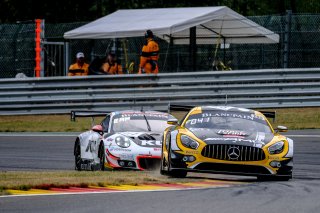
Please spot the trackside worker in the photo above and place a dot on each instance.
(149, 55)
(80, 67)
(111, 66)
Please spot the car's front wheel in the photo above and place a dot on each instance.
(163, 163)
(178, 173)
(174, 173)
(273, 178)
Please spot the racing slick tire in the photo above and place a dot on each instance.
(273, 178)
(77, 156)
(174, 173)
(162, 162)
(162, 171)
(177, 173)
(102, 157)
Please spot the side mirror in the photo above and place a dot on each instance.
(172, 121)
(97, 128)
(281, 129)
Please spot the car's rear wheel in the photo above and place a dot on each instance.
(77, 156)
(102, 157)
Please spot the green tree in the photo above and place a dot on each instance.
(88, 10)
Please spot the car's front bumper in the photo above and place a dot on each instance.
(249, 168)
(137, 160)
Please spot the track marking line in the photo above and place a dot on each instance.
(131, 187)
(29, 192)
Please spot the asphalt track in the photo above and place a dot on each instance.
(302, 194)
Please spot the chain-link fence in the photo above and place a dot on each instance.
(299, 47)
(17, 49)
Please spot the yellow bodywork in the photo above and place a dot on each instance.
(201, 159)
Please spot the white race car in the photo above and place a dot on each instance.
(123, 140)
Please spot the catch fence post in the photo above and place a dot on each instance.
(39, 54)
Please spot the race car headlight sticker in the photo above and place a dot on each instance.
(123, 142)
(188, 142)
(276, 148)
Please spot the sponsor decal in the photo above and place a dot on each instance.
(258, 144)
(150, 143)
(118, 149)
(154, 115)
(192, 152)
(234, 115)
(231, 132)
(235, 140)
(110, 139)
(207, 116)
(91, 146)
(126, 157)
(274, 158)
(157, 149)
(232, 136)
(198, 121)
(131, 134)
(86, 166)
(120, 120)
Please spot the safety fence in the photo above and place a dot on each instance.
(268, 88)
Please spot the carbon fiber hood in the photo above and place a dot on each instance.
(222, 136)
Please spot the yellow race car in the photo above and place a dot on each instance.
(226, 140)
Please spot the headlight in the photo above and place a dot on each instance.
(276, 148)
(188, 142)
(123, 142)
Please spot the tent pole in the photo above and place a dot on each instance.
(286, 51)
(193, 48)
(224, 50)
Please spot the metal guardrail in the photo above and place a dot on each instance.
(251, 88)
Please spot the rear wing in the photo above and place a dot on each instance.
(187, 108)
(180, 108)
(92, 114)
(269, 114)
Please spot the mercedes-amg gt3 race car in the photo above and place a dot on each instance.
(226, 140)
(123, 140)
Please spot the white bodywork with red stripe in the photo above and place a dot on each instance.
(145, 146)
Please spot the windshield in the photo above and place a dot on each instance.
(140, 122)
(213, 119)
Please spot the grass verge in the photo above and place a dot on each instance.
(44, 123)
(293, 118)
(25, 180)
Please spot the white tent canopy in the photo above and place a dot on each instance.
(212, 24)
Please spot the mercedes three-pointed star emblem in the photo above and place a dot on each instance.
(233, 153)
